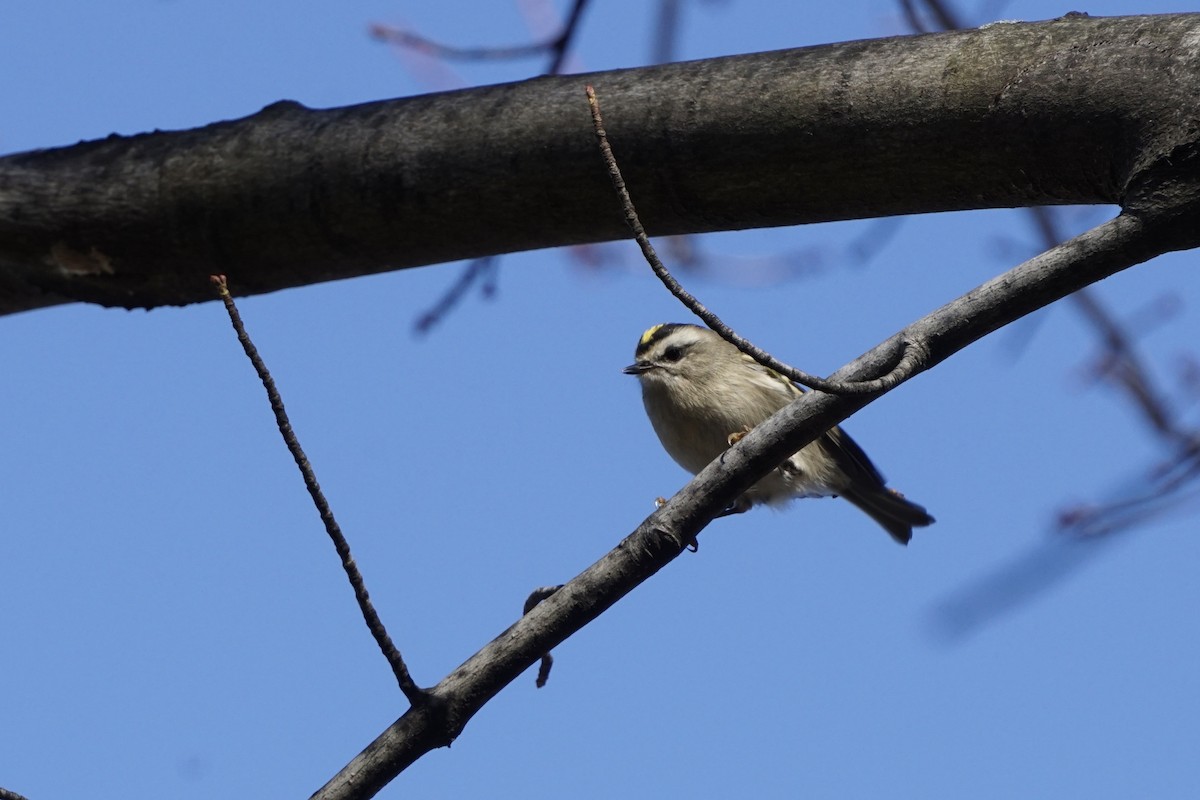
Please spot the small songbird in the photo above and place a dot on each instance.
(702, 394)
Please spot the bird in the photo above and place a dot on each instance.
(702, 394)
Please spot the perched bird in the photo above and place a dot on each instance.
(702, 394)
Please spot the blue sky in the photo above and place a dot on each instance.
(175, 622)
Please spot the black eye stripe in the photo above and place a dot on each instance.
(655, 335)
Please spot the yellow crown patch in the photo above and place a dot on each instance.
(649, 334)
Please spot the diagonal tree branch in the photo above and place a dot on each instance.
(1119, 243)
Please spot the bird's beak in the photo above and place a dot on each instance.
(638, 367)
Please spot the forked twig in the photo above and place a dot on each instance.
(414, 693)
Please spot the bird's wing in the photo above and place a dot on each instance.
(851, 458)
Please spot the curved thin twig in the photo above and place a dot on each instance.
(910, 360)
(557, 45)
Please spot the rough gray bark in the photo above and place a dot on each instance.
(1076, 110)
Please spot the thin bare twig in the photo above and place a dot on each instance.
(557, 45)
(563, 43)
(912, 16)
(480, 270)
(415, 694)
(944, 16)
(1124, 367)
(415, 41)
(909, 360)
(666, 31)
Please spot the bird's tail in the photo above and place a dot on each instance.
(888, 507)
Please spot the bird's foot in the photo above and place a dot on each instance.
(737, 436)
(739, 506)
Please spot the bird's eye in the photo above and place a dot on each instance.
(673, 353)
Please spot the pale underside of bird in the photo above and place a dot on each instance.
(702, 394)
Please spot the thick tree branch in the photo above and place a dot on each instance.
(1080, 110)
(1126, 240)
